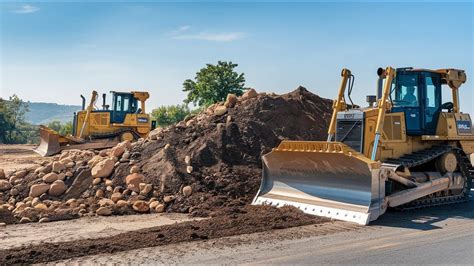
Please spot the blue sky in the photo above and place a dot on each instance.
(52, 52)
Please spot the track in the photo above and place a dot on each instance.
(425, 156)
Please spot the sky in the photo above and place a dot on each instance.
(55, 51)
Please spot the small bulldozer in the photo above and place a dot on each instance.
(405, 150)
(95, 128)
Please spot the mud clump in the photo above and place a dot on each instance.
(229, 222)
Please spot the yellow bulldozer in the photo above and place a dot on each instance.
(406, 150)
(95, 128)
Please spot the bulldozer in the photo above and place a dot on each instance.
(405, 150)
(95, 128)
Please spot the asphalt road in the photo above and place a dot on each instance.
(438, 235)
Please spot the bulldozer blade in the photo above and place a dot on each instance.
(49, 143)
(322, 178)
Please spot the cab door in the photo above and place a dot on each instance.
(432, 102)
(121, 106)
(406, 97)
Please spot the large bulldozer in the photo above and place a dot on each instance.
(95, 128)
(406, 150)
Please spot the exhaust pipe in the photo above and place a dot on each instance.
(83, 102)
(381, 73)
(104, 106)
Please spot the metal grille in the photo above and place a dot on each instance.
(349, 132)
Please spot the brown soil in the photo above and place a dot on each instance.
(226, 150)
(227, 222)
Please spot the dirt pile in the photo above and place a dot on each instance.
(198, 166)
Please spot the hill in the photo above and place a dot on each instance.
(43, 113)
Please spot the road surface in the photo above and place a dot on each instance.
(439, 235)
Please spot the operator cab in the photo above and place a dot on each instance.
(123, 104)
(417, 93)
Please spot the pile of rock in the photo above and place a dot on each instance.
(206, 162)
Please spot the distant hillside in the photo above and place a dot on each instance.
(43, 113)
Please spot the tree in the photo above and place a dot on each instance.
(16, 128)
(213, 83)
(167, 115)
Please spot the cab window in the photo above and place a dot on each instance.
(405, 91)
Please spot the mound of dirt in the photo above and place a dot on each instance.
(225, 151)
(229, 222)
(198, 166)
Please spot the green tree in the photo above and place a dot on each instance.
(167, 115)
(213, 83)
(16, 129)
(55, 125)
(62, 129)
(5, 124)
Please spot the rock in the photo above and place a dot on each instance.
(103, 168)
(14, 192)
(81, 182)
(167, 146)
(140, 206)
(109, 188)
(134, 169)
(118, 189)
(61, 176)
(187, 160)
(43, 220)
(187, 191)
(117, 151)
(231, 100)
(125, 155)
(104, 211)
(46, 169)
(57, 188)
(121, 203)
(70, 165)
(50, 178)
(69, 174)
(25, 220)
(106, 202)
(189, 169)
(35, 201)
(21, 174)
(58, 167)
(108, 182)
(2, 174)
(99, 193)
(4, 185)
(38, 189)
(249, 94)
(96, 181)
(3, 225)
(220, 110)
(168, 199)
(133, 181)
(146, 189)
(41, 206)
(116, 197)
(160, 208)
(153, 204)
(103, 153)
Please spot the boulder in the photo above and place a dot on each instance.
(41, 206)
(43, 220)
(133, 181)
(153, 204)
(4, 185)
(103, 168)
(140, 206)
(2, 174)
(168, 199)
(57, 188)
(116, 197)
(50, 178)
(96, 181)
(231, 100)
(249, 94)
(20, 174)
(81, 182)
(117, 151)
(106, 202)
(121, 203)
(99, 193)
(220, 110)
(104, 211)
(134, 169)
(38, 189)
(25, 220)
(58, 167)
(160, 208)
(187, 191)
(147, 188)
(108, 182)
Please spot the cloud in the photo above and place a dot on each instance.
(184, 28)
(215, 37)
(26, 9)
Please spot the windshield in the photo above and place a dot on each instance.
(405, 91)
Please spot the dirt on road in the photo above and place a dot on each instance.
(227, 222)
(16, 157)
